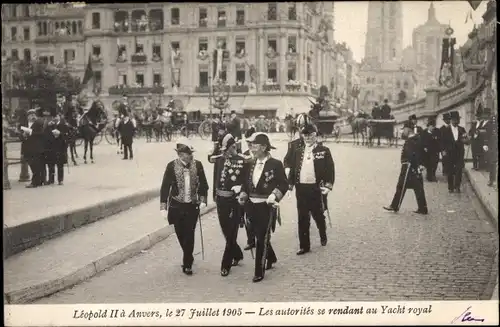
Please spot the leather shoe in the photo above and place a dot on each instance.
(187, 271)
(249, 246)
(422, 212)
(302, 251)
(269, 264)
(389, 208)
(31, 186)
(257, 279)
(235, 262)
(224, 272)
(323, 242)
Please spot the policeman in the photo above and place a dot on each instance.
(414, 124)
(410, 176)
(431, 141)
(442, 131)
(230, 174)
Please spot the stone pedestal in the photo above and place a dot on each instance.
(431, 99)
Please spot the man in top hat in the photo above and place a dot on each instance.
(414, 124)
(410, 176)
(57, 136)
(385, 110)
(126, 128)
(123, 108)
(183, 193)
(477, 140)
(265, 186)
(230, 174)
(482, 133)
(234, 127)
(442, 131)
(453, 141)
(491, 149)
(431, 141)
(33, 146)
(376, 112)
(313, 175)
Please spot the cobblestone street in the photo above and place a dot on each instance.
(371, 254)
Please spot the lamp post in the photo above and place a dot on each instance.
(355, 94)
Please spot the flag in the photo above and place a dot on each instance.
(474, 3)
(88, 77)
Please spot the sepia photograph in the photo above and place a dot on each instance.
(263, 162)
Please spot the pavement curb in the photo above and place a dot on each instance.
(25, 236)
(29, 294)
(485, 203)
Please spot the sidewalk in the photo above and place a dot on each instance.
(90, 192)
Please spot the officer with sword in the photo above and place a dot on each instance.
(410, 176)
(312, 172)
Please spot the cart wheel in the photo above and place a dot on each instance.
(98, 138)
(204, 130)
(110, 138)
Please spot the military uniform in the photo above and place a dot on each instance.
(410, 177)
(431, 140)
(312, 167)
(229, 176)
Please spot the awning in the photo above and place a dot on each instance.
(236, 103)
(300, 104)
(262, 102)
(198, 103)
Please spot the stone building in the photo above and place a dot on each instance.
(276, 54)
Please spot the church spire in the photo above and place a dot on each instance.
(431, 13)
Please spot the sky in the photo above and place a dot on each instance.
(351, 21)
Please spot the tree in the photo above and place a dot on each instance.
(40, 83)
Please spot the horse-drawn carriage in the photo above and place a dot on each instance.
(382, 128)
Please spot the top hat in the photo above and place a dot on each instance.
(309, 129)
(446, 116)
(182, 148)
(227, 141)
(262, 139)
(233, 111)
(431, 121)
(454, 115)
(249, 132)
(412, 117)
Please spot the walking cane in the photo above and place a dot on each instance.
(246, 223)
(267, 238)
(404, 184)
(201, 235)
(324, 208)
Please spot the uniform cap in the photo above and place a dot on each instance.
(183, 148)
(227, 141)
(262, 139)
(309, 129)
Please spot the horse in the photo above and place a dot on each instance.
(359, 126)
(91, 124)
(71, 119)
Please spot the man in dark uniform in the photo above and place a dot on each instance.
(376, 112)
(234, 127)
(301, 121)
(442, 131)
(126, 129)
(410, 176)
(183, 193)
(414, 124)
(454, 139)
(265, 186)
(431, 141)
(58, 143)
(385, 111)
(476, 141)
(32, 147)
(230, 174)
(248, 156)
(491, 149)
(313, 175)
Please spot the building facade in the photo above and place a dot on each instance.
(277, 54)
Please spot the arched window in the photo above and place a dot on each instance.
(121, 21)
(39, 28)
(139, 20)
(156, 19)
(44, 28)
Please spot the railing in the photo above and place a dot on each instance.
(293, 87)
(202, 89)
(240, 88)
(314, 91)
(118, 90)
(447, 96)
(139, 58)
(271, 87)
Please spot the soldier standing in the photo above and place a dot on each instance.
(410, 176)
(431, 140)
(230, 174)
(183, 193)
(265, 186)
(442, 131)
(491, 149)
(313, 175)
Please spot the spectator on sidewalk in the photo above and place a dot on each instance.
(58, 144)
(127, 129)
(491, 149)
(32, 147)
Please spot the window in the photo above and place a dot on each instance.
(69, 56)
(272, 45)
(139, 79)
(44, 60)
(203, 17)
(74, 29)
(27, 55)
(202, 44)
(80, 27)
(292, 44)
(240, 76)
(26, 10)
(221, 18)
(292, 12)
(203, 76)
(272, 11)
(122, 51)
(157, 79)
(14, 54)
(175, 45)
(240, 46)
(175, 16)
(240, 17)
(398, 84)
(292, 71)
(272, 73)
(156, 51)
(368, 80)
(223, 73)
(13, 33)
(96, 20)
(139, 48)
(221, 42)
(26, 32)
(123, 79)
(309, 20)
(39, 29)
(51, 60)
(96, 50)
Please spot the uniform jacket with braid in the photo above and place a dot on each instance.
(228, 172)
(272, 180)
(292, 148)
(324, 166)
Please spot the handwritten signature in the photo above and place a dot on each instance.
(467, 316)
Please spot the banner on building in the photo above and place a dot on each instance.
(447, 62)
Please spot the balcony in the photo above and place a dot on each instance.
(239, 88)
(271, 88)
(202, 89)
(202, 55)
(121, 27)
(156, 58)
(226, 55)
(96, 59)
(291, 55)
(121, 59)
(120, 89)
(314, 91)
(140, 59)
(240, 54)
(293, 86)
(271, 53)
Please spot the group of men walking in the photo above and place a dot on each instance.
(247, 190)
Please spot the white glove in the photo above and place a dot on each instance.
(287, 171)
(485, 147)
(324, 190)
(271, 199)
(203, 205)
(236, 189)
(164, 214)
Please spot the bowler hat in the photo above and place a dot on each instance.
(412, 117)
(182, 148)
(262, 139)
(249, 132)
(31, 112)
(227, 141)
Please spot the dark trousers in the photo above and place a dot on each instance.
(127, 147)
(431, 165)
(37, 166)
(52, 172)
(455, 167)
(402, 186)
(249, 228)
(228, 211)
(186, 217)
(260, 215)
(309, 201)
(476, 156)
(492, 161)
(444, 165)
